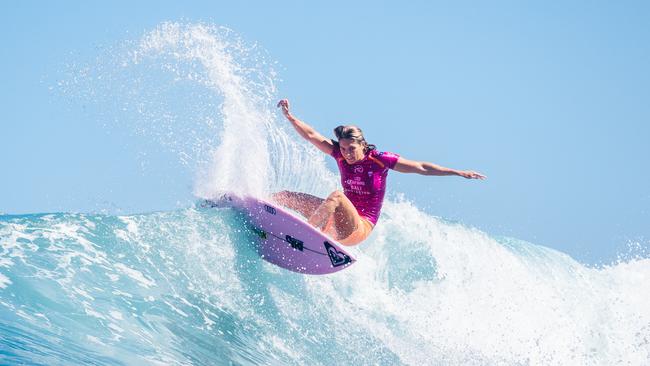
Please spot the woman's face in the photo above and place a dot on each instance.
(351, 150)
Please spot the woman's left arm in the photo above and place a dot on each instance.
(424, 168)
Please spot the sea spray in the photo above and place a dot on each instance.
(256, 153)
(204, 95)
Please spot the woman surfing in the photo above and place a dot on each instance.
(349, 216)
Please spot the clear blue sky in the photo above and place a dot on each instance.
(549, 99)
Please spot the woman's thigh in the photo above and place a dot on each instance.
(346, 216)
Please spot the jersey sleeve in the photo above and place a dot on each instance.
(388, 158)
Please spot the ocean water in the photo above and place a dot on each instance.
(186, 287)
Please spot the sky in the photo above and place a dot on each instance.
(548, 99)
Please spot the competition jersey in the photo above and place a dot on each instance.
(364, 182)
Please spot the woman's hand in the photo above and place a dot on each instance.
(471, 174)
(306, 131)
(284, 104)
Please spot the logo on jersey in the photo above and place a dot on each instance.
(358, 169)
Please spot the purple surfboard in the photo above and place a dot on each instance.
(287, 240)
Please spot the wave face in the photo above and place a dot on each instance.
(186, 287)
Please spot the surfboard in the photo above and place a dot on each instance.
(285, 239)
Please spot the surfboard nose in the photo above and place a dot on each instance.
(223, 200)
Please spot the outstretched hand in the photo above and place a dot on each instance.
(471, 174)
(284, 104)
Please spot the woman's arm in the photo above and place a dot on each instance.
(424, 168)
(306, 131)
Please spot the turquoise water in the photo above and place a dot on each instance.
(185, 287)
(170, 288)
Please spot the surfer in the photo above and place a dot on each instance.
(350, 215)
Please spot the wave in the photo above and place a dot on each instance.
(187, 287)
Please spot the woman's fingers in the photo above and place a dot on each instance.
(473, 175)
(284, 104)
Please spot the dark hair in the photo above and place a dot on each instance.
(353, 133)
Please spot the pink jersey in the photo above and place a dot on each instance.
(364, 183)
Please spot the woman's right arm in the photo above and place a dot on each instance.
(306, 131)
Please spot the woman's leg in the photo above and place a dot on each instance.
(345, 214)
(304, 203)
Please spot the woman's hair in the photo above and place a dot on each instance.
(353, 133)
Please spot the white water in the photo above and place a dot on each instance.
(256, 154)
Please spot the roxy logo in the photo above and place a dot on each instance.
(358, 169)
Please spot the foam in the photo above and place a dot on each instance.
(135, 275)
(4, 281)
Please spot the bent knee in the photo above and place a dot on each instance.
(336, 196)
